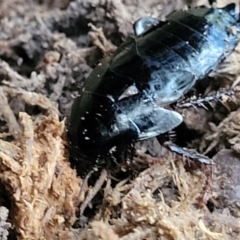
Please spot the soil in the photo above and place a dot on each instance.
(47, 50)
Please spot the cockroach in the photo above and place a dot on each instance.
(126, 99)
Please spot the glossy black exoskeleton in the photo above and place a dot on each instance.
(124, 100)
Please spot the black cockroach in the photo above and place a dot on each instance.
(125, 99)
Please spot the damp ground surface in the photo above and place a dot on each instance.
(47, 50)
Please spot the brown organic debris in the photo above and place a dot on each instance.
(47, 50)
(42, 185)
